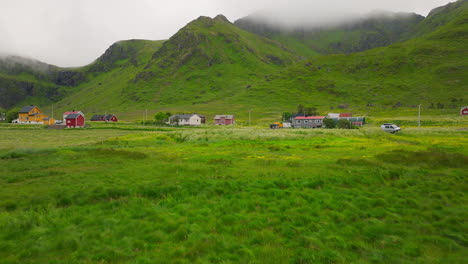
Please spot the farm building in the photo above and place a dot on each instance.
(464, 110)
(71, 112)
(187, 120)
(74, 120)
(31, 114)
(308, 121)
(355, 121)
(338, 115)
(105, 118)
(224, 120)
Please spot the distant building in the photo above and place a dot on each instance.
(71, 112)
(31, 114)
(308, 121)
(224, 120)
(187, 120)
(355, 121)
(464, 110)
(105, 118)
(337, 115)
(74, 120)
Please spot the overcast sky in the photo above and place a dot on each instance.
(76, 32)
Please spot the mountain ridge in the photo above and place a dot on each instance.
(211, 64)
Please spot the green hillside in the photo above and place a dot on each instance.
(377, 30)
(212, 66)
(207, 61)
(429, 70)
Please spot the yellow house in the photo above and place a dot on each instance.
(31, 114)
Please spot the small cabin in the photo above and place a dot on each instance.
(74, 120)
(71, 112)
(187, 120)
(224, 120)
(464, 111)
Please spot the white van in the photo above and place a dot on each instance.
(391, 128)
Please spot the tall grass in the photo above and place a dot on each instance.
(237, 195)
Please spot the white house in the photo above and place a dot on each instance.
(187, 120)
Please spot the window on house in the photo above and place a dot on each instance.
(306, 122)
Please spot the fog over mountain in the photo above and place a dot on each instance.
(76, 32)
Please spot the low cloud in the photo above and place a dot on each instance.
(76, 32)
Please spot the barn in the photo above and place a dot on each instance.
(71, 112)
(74, 120)
(464, 111)
(224, 120)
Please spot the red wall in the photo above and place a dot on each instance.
(223, 121)
(77, 122)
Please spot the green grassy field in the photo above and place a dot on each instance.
(135, 194)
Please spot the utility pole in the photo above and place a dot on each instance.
(419, 117)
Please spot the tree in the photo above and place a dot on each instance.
(343, 123)
(286, 116)
(12, 114)
(161, 117)
(310, 111)
(329, 123)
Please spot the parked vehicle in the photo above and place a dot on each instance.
(276, 125)
(391, 128)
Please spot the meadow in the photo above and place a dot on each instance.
(134, 194)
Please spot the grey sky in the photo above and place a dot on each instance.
(76, 32)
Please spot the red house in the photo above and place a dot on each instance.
(71, 112)
(224, 119)
(464, 110)
(74, 120)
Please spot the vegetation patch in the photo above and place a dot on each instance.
(431, 159)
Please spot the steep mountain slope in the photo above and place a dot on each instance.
(439, 17)
(430, 70)
(208, 60)
(378, 30)
(28, 81)
(22, 78)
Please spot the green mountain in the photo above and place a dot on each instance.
(207, 61)
(37, 82)
(429, 70)
(378, 30)
(213, 66)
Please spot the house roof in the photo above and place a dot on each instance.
(26, 109)
(224, 116)
(184, 116)
(308, 117)
(99, 117)
(72, 116)
(71, 112)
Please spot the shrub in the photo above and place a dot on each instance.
(343, 123)
(329, 123)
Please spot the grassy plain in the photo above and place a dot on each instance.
(133, 194)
